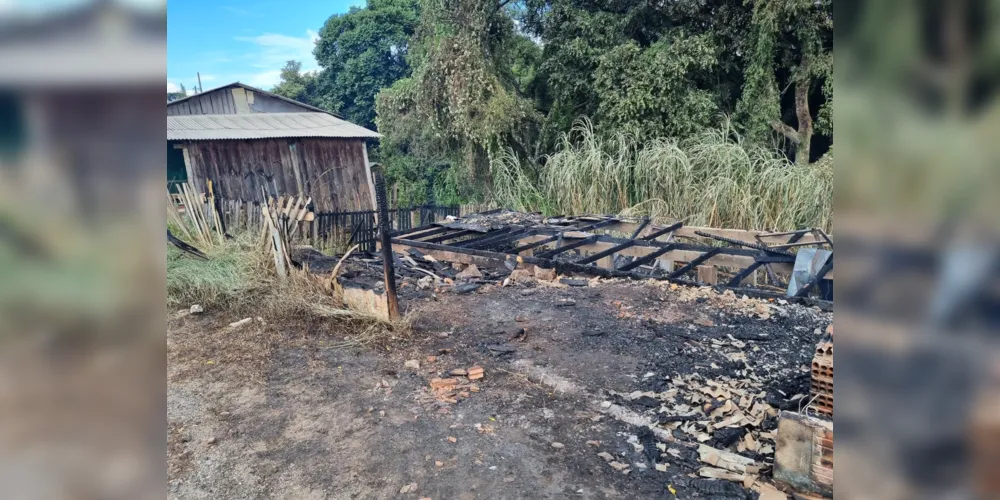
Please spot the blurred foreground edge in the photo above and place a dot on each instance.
(82, 364)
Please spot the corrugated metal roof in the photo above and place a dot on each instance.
(255, 89)
(262, 126)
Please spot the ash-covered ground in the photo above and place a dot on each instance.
(569, 371)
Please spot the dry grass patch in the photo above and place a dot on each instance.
(239, 281)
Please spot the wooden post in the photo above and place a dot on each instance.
(386, 243)
(368, 173)
(276, 244)
(708, 274)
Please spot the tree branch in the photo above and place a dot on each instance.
(501, 5)
(785, 130)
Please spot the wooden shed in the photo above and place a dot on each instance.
(245, 139)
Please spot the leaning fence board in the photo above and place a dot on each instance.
(174, 214)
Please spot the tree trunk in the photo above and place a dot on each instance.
(803, 136)
(805, 131)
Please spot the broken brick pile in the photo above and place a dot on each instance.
(821, 387)
(452, 389)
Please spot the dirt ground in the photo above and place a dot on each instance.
(297, 411)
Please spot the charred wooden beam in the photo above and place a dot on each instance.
(500, 258)
(488, 236)
(797, 234)
(529, 246)
(694, 263)
(451, 236)
(734, 257)
(501, 239)
(602, 254)
(742, 275)
(559, 234)
(411, 231)
(669, 229)
(796, 244)
(747, 244)
(648, 258)
(387, 257)
(596, 225)
(432, 231)
(452, 248)
(642, 225)
(552, 253)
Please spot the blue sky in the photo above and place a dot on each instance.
(245, 41)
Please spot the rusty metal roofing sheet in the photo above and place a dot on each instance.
(262, 126)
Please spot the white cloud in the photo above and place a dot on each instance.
(173, 87)
(275, 49)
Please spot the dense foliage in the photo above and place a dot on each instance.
(295, 84)
(362, 52)
(461, 104)
(458, 87)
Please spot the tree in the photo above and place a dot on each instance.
(462, 103)
(295, 84)
(654, 92)
(362, 52)
(481, 78)
(684, 62)
(795, 35)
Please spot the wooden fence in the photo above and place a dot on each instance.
(323, 230)
(339, 230)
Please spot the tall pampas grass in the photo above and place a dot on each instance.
(713, 179)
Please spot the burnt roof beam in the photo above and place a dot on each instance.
(499, 239)
(669, 229)
(552, 253)
(560, 234)
(694, 263)
(600, 255)
(646, 259)
(450, 236)
(492, 235)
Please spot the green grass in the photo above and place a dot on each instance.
(711, 179)
(235, 274)
(239, 279)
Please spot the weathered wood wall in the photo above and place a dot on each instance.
(332, 171)
(232, 101)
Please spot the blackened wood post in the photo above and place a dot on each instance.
(387, 264)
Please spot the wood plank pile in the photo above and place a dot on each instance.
(207, 221)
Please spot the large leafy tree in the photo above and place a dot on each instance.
(451, 84)
(658, 68)
(297, 85)
(362, 52)
(654, 92)
(463, 102)
(792, 48)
